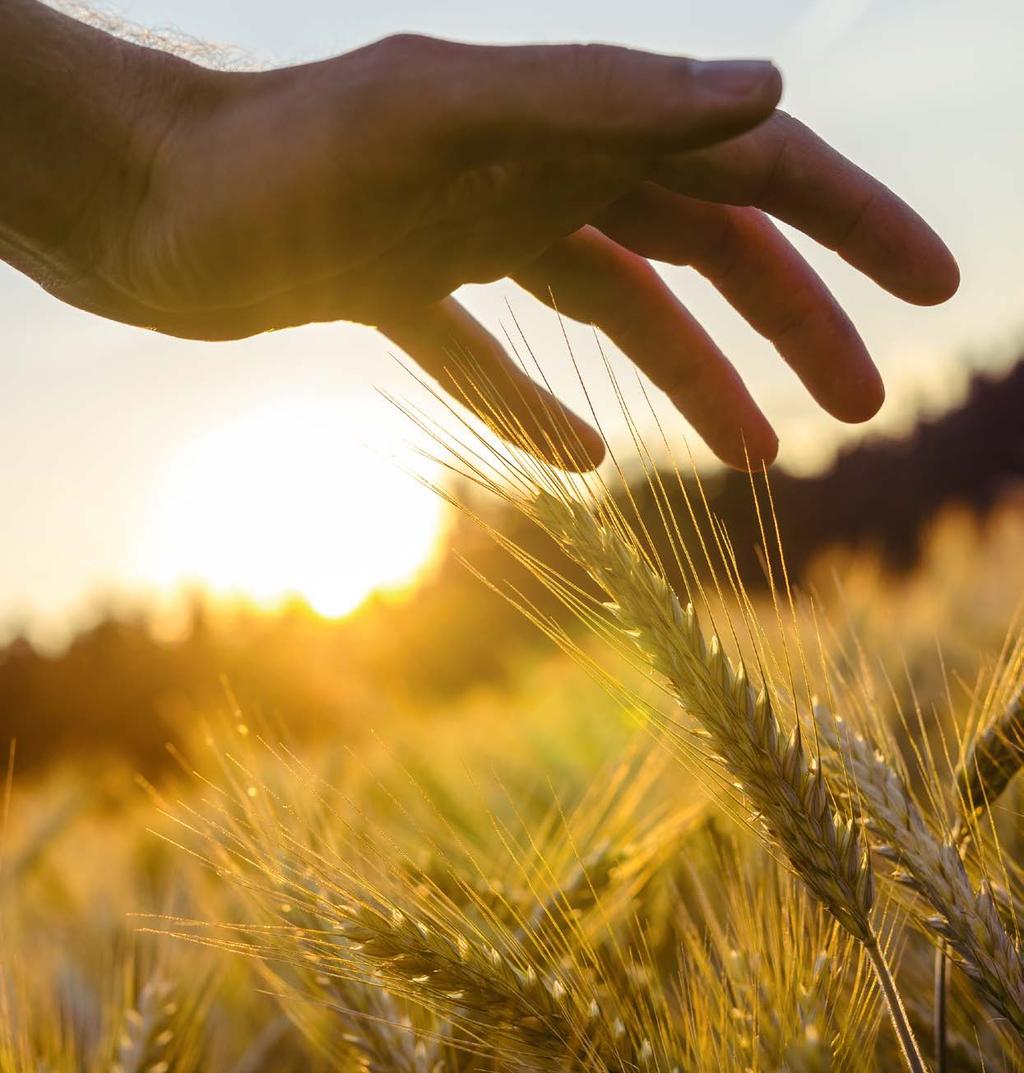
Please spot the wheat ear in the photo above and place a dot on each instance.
(483, 989)
(994, 757)
(378, 1029)
(371, 1024)
(149, 1030)
(965, 918)
(543, 929)
(788, 790)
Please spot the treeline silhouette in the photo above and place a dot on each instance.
(119, 689)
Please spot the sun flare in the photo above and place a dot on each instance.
(291, 501)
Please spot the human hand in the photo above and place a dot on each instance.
(370, 186)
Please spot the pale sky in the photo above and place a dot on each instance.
(105, 486)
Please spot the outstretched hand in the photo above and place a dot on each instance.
(369, 187)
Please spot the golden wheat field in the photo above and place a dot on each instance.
(513, 541)
(704, 828)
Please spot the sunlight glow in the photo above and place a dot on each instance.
(291, 501)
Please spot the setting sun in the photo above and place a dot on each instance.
(290, 501)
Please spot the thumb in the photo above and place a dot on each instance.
(493, 102)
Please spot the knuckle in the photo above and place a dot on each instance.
(849, 229)
(721, 256)
(398, 47)
(790, 323)
(772, 170)
(395, 80)
(411, 53)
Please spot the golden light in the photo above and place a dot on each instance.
(291, 500)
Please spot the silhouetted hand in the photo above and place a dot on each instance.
(370, 186)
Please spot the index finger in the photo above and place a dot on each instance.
(784, 168)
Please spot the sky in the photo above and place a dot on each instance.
(129, 459)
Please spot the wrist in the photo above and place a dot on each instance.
(82, 115)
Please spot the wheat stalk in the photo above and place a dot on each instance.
(964, 918)
(788, 791)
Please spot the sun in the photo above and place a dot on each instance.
(292, 500)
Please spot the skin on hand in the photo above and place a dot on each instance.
(370, 186)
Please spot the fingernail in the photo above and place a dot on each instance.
(737, 78)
